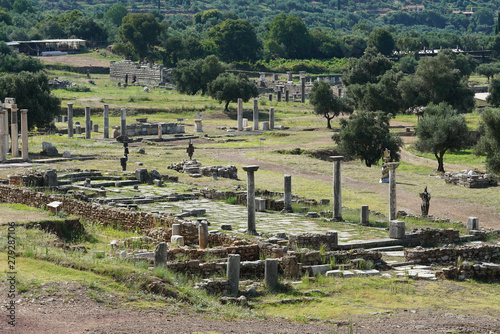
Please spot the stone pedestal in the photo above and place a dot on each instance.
(3, 148)
(87, 123)
(240, 114)
(472, 223)
(198, 126)
(271, 118)
(288, 193)
(176, 229)
(271, 274)
(396, 229)
(78, 129)
(203, 234)
(365, 215)
(177, 240)
(337, 188)
(260, 204)
(123, 122)
(244, 123)
(95, 127)
(256, 114)
(265, 126)
(289, 76)
(392, 189)
(14, 130)
(105, 127)
(251, 197)
(70, 120)
(233, 272)
(161, 254)
(24, 134)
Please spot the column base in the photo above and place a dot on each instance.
(337, 219)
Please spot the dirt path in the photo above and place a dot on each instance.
(71, 310)
(75, 60)
(454, 209)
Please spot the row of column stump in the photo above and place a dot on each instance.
(10, 104)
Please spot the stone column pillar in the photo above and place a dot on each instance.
(251, 197)
(233, 272)
(88, 126)
(287, 95)
(14, 130)
(303, 86)
(70, 120)
(198, 127)
(337, 188)
(288, 193)
(271, 274)
(6, 131)
(176, 229)
(160, 130)
(3, 149)
(161, 254)
(240, 114)
(392, 189)
(24, 134)
(203, 234)
(123, 124)
(365, 215)
(289, 75)
(106, 121)
(279, 96)
(270, 97)
(256, 114)
(271, 118)
(396, 229)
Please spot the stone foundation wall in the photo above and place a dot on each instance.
(127, 71)
(150, 129)
(483, 253)
(247, 252)
(315, 258)
(483, 271)
(314, 241)
(128, 220)
(470, 179)
(431, 237)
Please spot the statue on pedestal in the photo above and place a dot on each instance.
(190, 150)
(426, 199)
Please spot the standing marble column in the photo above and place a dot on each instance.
(251, 197)
(279, 95)
(287, 95)
(24, 134)
(123, 124)
(3, 148)
(88, 126)
(256, 114)
(365, 215)
(14, 130)
(271, 274)
(233, 272)
(271, 118)
(6, 130)
(106, 121)
(70, 120)
(288, 193)
(337, 188)
(392, 189)
(203, 234)
(240, 114)
(303, 86)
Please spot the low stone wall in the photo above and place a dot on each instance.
(431, 237)
(197, 268)
(128, 220)
(483, 271)
(470, 179)
(486, 253)
(315, 258)
(247, 252)
(150, 129)
(127, 71)
(314, 241)
(215, 287)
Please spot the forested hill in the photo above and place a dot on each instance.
(453, 15)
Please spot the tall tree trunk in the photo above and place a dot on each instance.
(440, 161)
(227, 106)
(328, 119)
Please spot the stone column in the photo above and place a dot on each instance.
(88, 126)
(24, 134)
(176, 229)
(198, 127)
(396, 229)
(3, 149)
(123, 124)
(161, 254)
(6, 131)
(270, 97)
(271, 118)
(203, 234)
(106, 121)
(14, 130)
(240, 114)
(365, 215)
(287, 95)
(160, 130)
(251, 197)
(337, 189)
(70, 120)
(392, 189)
(289, 75)
(233, 272)
(288, 193)
(278, 98)
(255, 114)
(303, 86)
(271, 274)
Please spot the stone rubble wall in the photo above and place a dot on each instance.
(445, 255)
(482, 271)
(150, 129)
(312, 258)
(314, 241)
(431, 237)
(470, 179)
(127, 220)
(246, 252)
(146, 74)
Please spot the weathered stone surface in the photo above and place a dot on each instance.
(161, 254)
(177, 240)
(141, 174)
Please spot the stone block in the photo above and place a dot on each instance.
(473, 223)
(177, 240)
(161, 254)
(368, 272)
(320, 269)
(226, 227)
(260, 204)
(396, 229)
(141, 174)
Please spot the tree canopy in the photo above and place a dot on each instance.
(382, 40)
(441, 129)
(365, 136)
(494, 90)
(193, 76)
(228, 87)
(141, 31)
(489, 142)
(325, 104)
